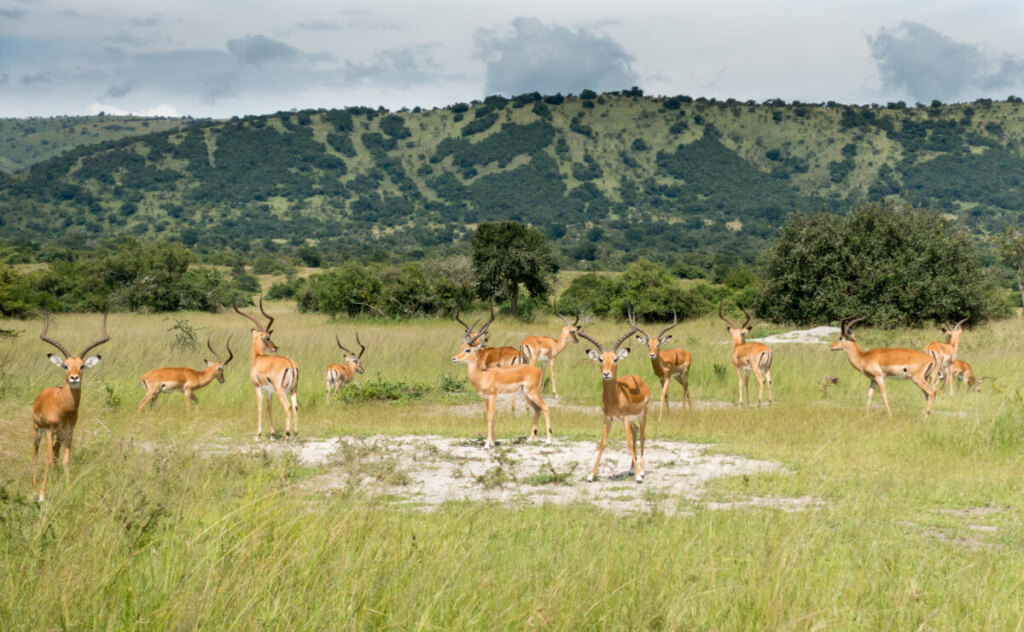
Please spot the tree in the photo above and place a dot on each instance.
(908, 264)
(1010, 244)
(507, 255)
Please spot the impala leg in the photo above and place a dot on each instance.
(739, 378)
(949, 381)
(600, 448)
(871, 393)
(929, 394)
(746, 386)
(532, 434)
(760, 383)
(46, 466)
(631, 432)
(149, 398)
(259, 414)
(643, 444)
(684, 379)
(35, 456)
(283, 398)
(881, 391)
(491, 401)
(539, 406)
(551, 371)
(195, 400)
(67, 456)
(188, 399)
(768, 379)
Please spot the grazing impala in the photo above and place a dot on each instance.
(492, 357)
(668, 363)
(184, 379)
(489, 383)
(962, 371)
(271, 374)
(878, 364)
(623, 397)
(337, 375)
(749, 357)
(55, 410)
(546, 349)
(946, 353)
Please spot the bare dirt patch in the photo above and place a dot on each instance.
(816, 335)
(425, 471)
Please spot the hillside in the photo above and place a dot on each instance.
(24, 142)
(607, 177)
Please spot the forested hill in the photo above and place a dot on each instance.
(604, 176)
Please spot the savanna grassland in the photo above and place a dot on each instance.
(919, 522)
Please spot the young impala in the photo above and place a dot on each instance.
(623, 397)
(546, 349)
(489, 383)
(963, 372)
(668, 363)
(946, 354)
(878, 364)
(55, 411)
(338, 375)
(271, 374)
(184, 379)
(749, 357)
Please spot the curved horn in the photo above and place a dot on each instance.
(270, 319)
(597, 344)
(213, 351)
(675, 320)
(230, 353)
(105, 338)
(850, 324)
(727, 321)
(960, 324)
(459, 320)
(42, 336)
(564, 319)
(340, 345)
(747, 314)
(252, 318)
(632, 322)
(362, 347)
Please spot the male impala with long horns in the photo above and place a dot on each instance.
(55, 410)
(667, 363)
(878, 364)
(749, 357)
(946, 354)
(623, 397)
(338, 375)
(271, 374)
(184, 379)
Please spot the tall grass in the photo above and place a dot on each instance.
(919, 526)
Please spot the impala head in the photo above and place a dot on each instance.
(654, 343)
(574, 327)
(738, 333)
(220, 364)
(73, 365)
(260, 335)
(953, 333)
(845, 338)
(471, 341)
(609, 358)
(352, 358)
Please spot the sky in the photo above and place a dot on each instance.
(222, 58)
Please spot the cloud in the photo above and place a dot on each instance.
(928, 65)
(395, 68)
(12, 13)
(257, 50)
(551, 58)
(118, 91)
(318, 25)
(163, 109)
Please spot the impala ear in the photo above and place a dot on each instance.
(91, 361)
(641, 339)
(56, 360)
(666, 339)
(593, 355)
(622, 353)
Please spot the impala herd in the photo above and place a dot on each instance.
(495, 371)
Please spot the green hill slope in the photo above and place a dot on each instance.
(607, 177)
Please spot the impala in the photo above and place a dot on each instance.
(546, 349)
(623, 397)
(962, 371)
(271, 374)
(184, 379)
(56, 408)
(946, 353)
(878, 364)
(668, 363)
(749, 357)
(492, 357)
(337, 375)
(489, 383)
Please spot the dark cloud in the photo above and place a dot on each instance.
(152, 20)
(929, 65)
(119, 90)
(318, 25)
(552, 58)
(12, 13)
(257, 50)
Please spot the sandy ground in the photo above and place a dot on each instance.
(817, 335)
(425, 471)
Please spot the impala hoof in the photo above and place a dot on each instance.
(258, 435)
(639, 478)
(591, 478)
(548, 441)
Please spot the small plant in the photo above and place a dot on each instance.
(449, 384)
(185, 335)
(500, 474)
(548, 475)
(719, 370)
(112, 400)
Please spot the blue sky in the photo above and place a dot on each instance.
(218, 59)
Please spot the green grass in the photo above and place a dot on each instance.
(920, 522)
